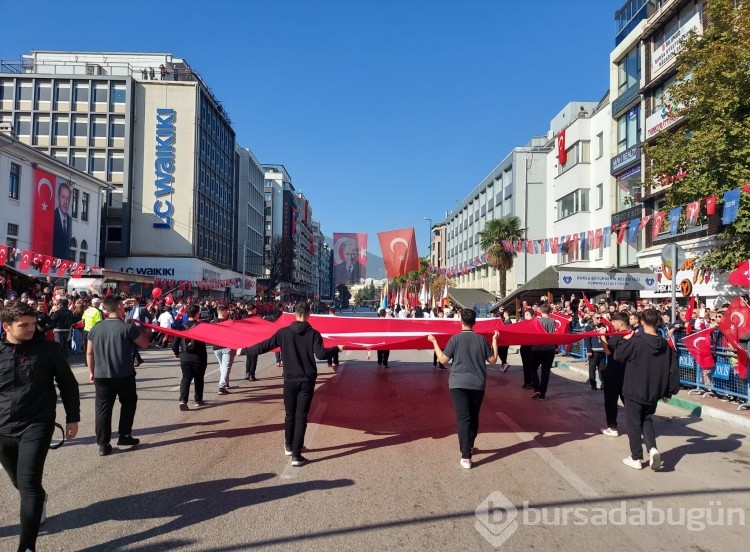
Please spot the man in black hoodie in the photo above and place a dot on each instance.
(651, 373)
(300, 344)
(29, 369)
(193, 361)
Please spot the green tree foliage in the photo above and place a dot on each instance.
(491, 238)
(713, 95)
(280, 261)
(367, 295)
(414, 275)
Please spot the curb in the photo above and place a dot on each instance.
(693, 409)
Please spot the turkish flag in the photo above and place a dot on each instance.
(644, 222)
(43, 214)
(587, 303)
(608, 324)
(658, 223)
(3, 254)
(78, 270)
(562, 155)
(699, 347)
(399, 249)
(736, 321)
(711, 205)
(46, 265)
(689, 315)
(740, 276)
(25, 261)
(597, 238)
(621, 233)
(561, 322)
(63, 268)
(691, 212)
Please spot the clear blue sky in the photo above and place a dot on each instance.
(384, 112)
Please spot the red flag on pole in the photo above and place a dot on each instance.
(699, 347)
(736, 321)
(399, 249)
(658, 223)
(562, 155)
(689, 315)
(587, 303)
(711, 205)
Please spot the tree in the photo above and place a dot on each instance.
(491, 240)
(712, 93)
(367, 294)
(280, 261)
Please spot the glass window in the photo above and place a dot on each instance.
(600, 145)
(116, 163)
(12, 229)
(117, 127)
(74, 195)
(14, 182)
(599, 196)
(100, 93)
(82, 257)
(118, 94)
(98, 127)
(41, 125)
(43, 92)
(62, 92)
(628, 129)
(78, 159)
(61, 126)
(85, 206)
(24, 91)
(6, 91)
(97, 161)
(23, 126)
(81, 92)
(80, 126)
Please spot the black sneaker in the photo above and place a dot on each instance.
(253, 378)
(536, 395)
(247, 376)
(200, 403)
(298, 461)
(184, 406)
(105, 450)
(223, 391)
(128, 440)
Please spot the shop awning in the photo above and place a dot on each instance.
(471, 297)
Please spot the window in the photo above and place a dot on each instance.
(6, 91)
(116, 163)
(41, 125)
(43, 92)
(25, 92)
(98, 127)
(74, 202)
(100, 93)
(572, 203)
(628, 129)
(12, 229)
(118, 94)
(78, 159)
(23, 126)
(114, 233)
(580, 152)
(85, 207)
(661, 94)
(62, 92)
(82, 254)
(80, 126)
(600, 145)
(629, 70)
(14, 183)
(117, 127)
(81, 92)
(599, 196)
(61, 125)
(72, 252)
(97, 162)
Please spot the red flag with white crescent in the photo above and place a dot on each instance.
(3, 254)
(699, 347)
(399, 249)
(740, 276)
(658, 222)
(562, 155)
(736, 321)
(43, 211)
(25, 261)
(46, 264)
(63, 268)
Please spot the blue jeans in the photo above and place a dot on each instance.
(225, 358)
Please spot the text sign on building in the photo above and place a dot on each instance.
(622, 281)
(662, 119)
(164, 166)
(674, 43)
(625, 159)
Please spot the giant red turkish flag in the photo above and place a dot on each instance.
(699, 347)
(399, 250)
(43, 213)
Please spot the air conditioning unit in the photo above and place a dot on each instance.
(93, 69)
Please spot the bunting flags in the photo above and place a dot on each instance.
(691, 212)
(731, 206)
(711, 205)
(658, 223)
(633, 230)
(674, 220)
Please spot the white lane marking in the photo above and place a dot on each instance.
(290, 471)
(564, 471)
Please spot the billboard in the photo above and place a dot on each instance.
(349, 258)
(52, 221)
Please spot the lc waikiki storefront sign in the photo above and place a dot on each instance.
(164, 166)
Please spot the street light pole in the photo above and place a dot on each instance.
(429, 259)
(244, 266)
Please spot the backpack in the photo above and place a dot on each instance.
(188, 345)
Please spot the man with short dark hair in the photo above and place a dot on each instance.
(193, 361)
(543, 355)
(109, 357)
(62, 318)
(613, 372)
(300, 343)
(225, 355)
(29, 369)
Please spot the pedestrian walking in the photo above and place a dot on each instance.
(62, 318)
(651, 374)
(525, 352)
(470, 353)
(109, 357)
(225, 355)
(333, 360)
(503, 351)
(251, 361)
(542, 356)
(595, 348)
(300, 344)
(193, 361)
(613, 373)
(29, 369)
(383, 354)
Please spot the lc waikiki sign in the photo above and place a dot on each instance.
(164, 166)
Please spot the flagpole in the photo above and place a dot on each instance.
(674, 284)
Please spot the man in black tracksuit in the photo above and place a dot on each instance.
(300, 344)
(595, 349)
(193, 361)
(29, 369)
(613, 373)
(651, 373)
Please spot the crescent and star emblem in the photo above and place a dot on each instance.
(44, 183)
(394, 241)
(739, 316)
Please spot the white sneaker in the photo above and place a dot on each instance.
(287, 450)
(635, 464)
(655, 459)
(610, 432)
(466, 463)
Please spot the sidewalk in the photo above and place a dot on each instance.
(694, 405)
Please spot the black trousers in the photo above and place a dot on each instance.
(545, 360)
(467, 403)
(526, 363)
(62, 338)
(383, 357)
(107, 389)
(596, 362)
(192, 372)
(612, 391)
(251, 365)
(502, 352)
(22, 455)
(297, 400)
(640, 423)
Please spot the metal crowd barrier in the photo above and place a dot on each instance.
(721, 381)
(576, 350)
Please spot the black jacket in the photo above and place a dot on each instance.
(190, 350)
(28, 372)
(613, 369)
(300, 343)
(651, 371)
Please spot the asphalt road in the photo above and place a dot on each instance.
(384, 470)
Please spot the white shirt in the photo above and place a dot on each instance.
(166, 319)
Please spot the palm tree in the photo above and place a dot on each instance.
(491, 240)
